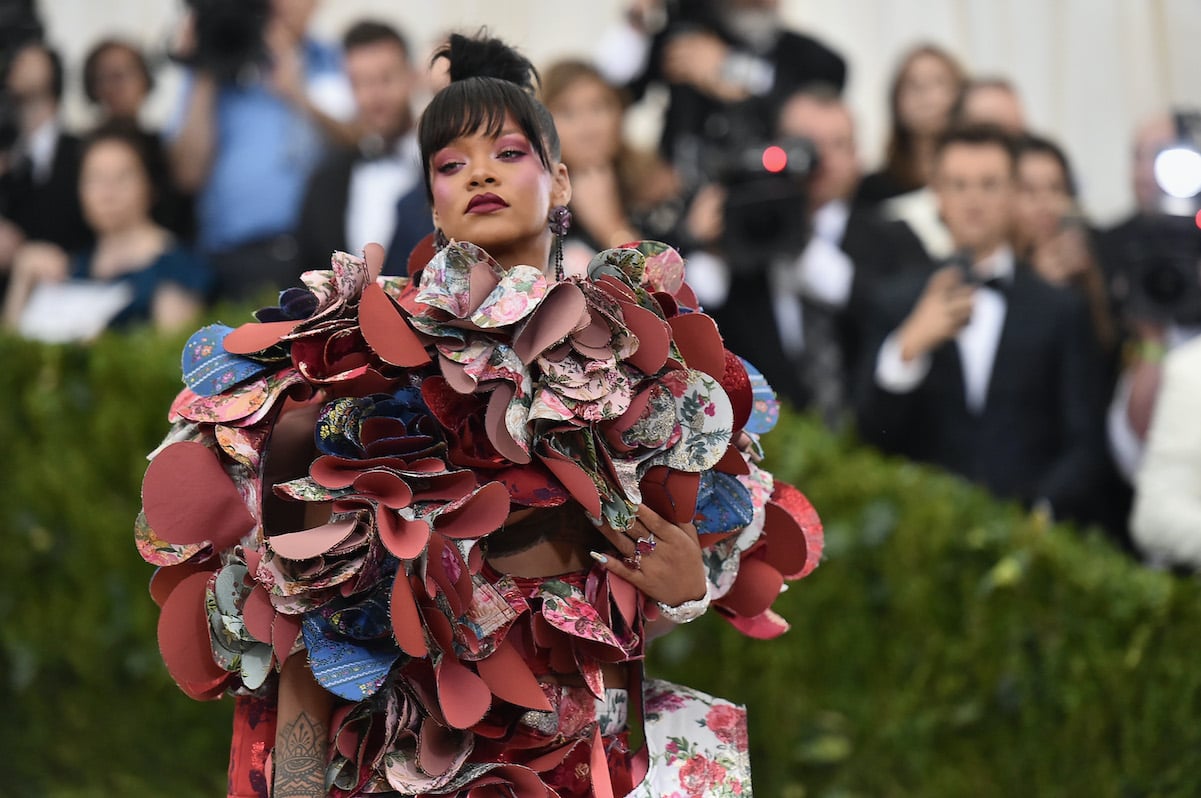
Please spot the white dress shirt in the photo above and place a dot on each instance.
(822, 273)
(40, 148)
(977, 341)
(375, 187)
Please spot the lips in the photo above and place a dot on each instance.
(485, 203)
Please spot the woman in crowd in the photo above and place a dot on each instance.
(620, 193)
(508, 475)
(136, 272)
(925, 88)
(117, 80)
(1052, 236)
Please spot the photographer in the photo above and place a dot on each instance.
(1151, 264)
(794, 243)
(262, 103)
(726, 65)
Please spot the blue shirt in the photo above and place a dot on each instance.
(177, 266)
(265, 151)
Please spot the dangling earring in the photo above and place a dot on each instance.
(440, 242)
(559, 222)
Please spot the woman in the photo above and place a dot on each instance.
(619, 192)
(1050, 234)
(506, 476)
(137, 272)
(924, 91)
(117, 80)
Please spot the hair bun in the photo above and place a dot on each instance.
(484, 57)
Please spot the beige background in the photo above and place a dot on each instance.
(1088, 69)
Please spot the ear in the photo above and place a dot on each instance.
(560, 189)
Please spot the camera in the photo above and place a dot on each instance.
(229, 37)
(767, 198)
(1163, 281)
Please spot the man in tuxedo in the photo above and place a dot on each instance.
(39, 192)
(808, 344)
(981, 367)
(372, 193)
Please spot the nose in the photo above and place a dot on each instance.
(482, 176)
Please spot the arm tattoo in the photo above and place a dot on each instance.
(300, 759)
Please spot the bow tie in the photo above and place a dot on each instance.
(998, 284)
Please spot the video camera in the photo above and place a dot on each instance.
(1164, 253)
(767, 198)
(229, 37)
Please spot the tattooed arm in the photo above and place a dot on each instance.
(302, 734)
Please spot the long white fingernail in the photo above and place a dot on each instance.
(600, 558)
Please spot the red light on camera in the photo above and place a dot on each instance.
(775, 159)
(1197, 219)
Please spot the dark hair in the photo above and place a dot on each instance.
(369, 31)
(142, 143)
(92, 63)
(1038, 145)
(825, 95)
(488, 82)
(900, 159)
(978, 136)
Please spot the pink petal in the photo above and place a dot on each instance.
(387, 332)
(509, 678)
(311, 542)
(406, 619)
(188, 498)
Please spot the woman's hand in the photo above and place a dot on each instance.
(1063, 257)
(35, 262)
(669, 570)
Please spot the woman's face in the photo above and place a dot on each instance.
(926, 93)
(113, 187)
(120, 85)
(1042, 198)
(495, 193)
(588, 117)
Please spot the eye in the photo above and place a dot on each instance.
(511, 153)
(448, 167)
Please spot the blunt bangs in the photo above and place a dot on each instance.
(480, 105)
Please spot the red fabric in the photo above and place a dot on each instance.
(253, 740)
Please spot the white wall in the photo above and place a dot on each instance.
(1088, 69)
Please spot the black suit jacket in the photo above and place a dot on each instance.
(878, 250)
(322, 226)
(49, 211)
(1039, 433)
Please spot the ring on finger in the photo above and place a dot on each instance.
(634, 561)
(645, 545)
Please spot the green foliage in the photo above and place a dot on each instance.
(951, 645)
(948, 645)
(89, 708)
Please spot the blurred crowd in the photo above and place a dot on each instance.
(954, 306)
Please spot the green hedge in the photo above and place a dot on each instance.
(948, 645)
